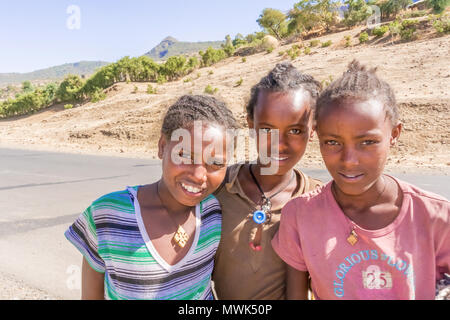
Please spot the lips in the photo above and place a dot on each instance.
(279, 158)
(351, 177)
(192, 189)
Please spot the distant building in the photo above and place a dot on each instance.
(418, 5)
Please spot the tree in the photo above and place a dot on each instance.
(27, 87)
(393, 7)
(274, 22)
(310, 14)
(70, 88)
(358, 11)
(438, 5)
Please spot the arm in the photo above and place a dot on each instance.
(296, 284)
(92, 287)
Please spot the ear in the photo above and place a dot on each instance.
(395, 133)
(250, 122)
(161, 146)
(311, 133)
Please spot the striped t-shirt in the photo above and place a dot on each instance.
(112, 237)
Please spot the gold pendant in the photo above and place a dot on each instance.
(181, 237)
(352, 238)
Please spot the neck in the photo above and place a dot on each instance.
(168, 201)
(362, 202)
(269, 182)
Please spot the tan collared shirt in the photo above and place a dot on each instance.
(241, 273)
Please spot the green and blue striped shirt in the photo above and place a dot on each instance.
(112, 237)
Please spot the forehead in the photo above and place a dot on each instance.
(291, 106)
(353, 115)
(199, 134)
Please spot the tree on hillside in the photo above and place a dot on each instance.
(392, 7)
(357, 12)
(70, 88)
(310, 14)
(438, 5)
(27, 87)
(274, 22)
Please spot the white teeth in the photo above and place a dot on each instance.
(278, 159)
(191, 188)
(349, 176)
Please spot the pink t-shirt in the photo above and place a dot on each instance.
(401, 261)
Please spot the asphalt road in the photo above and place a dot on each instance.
(42, 193)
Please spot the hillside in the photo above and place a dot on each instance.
(85, 68)
(172, 47)
(127, 122)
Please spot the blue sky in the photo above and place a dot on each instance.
(35, 35)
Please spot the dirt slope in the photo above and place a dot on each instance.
(127, 123)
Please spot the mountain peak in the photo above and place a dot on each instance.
(169, 39)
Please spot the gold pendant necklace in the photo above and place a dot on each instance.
(180, 237)
(353, 237)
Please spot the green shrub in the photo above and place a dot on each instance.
(348, 41)
(70, 89)
(244, 59)
(212, 56)
(68, 106)
(307, 50)
(151, 90)
(239, 82)
(314, 43)
(363, 37)
(442, 25)
(210, 90)
(269, 49)
(97, 95)
(394, 28)
(380, 31)
(326, 43)
(408, 28)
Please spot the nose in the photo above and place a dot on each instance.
(199, 173)
(282, 141)
(349, 155)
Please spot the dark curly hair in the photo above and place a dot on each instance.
(190, 108)
(284, 77)
(360, 84)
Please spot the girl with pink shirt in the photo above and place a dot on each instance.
(365, 234)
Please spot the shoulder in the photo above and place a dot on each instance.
(434, 205)
(210, 205)
(313, 200)
(117, 201)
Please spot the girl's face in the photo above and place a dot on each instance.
(194, 165)
(355, 138)
(290, 114)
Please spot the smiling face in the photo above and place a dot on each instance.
(193, 166)
(355, 138)
(290, 114)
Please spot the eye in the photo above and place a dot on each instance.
(369, 142)
(331, 143)
(185, 155)
(266, 130)
(296, 131)
(216, 163)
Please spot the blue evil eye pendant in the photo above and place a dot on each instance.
(259, 216)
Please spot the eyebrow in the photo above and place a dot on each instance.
(289, 126)
(364, 135)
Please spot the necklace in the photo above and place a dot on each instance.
(180, 237)
(263, 215)
(260, 216)
(353, 236)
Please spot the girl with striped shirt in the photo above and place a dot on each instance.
(158, 241)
